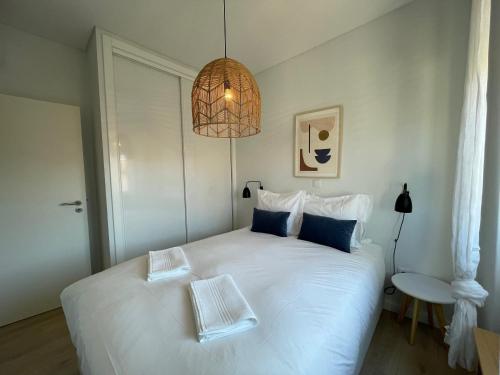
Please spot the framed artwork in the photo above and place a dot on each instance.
(318, 141)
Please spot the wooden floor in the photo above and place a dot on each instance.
(391, 354)
(41, 345)
(38, 345)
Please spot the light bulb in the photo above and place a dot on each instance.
(228, 93)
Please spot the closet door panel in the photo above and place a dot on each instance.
(208, 177)
(148, 117)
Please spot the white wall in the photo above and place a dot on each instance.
(38, 68)
(400, 80)
(35, 67)
(489, 268)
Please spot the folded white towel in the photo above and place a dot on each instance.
(219, 308)
(167, 263)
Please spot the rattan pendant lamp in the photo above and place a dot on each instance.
(225, 99)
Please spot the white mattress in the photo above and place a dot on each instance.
(316, 306)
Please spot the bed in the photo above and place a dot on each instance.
(317, 309)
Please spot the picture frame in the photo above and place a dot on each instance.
(318, 143)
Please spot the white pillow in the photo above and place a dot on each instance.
(288, 202)
(348, 207)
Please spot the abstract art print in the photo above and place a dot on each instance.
(318, 139)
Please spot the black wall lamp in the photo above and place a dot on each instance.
(403, 205)
(246, 190)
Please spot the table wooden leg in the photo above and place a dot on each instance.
(441, 319)
(414, 323)
(405, 303)
(430, 317)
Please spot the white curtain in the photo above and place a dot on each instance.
(466, 217)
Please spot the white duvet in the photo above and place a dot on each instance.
(316, 308)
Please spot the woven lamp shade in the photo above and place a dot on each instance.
(225, 101)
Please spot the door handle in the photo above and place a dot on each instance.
(75, 203)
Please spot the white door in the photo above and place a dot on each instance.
(44, 245)
(149, 131)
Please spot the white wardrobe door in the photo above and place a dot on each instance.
(208, 177)
(151, 165)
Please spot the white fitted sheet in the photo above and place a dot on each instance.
(316, 308)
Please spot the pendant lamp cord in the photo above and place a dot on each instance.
(390, 290)
(225, 42)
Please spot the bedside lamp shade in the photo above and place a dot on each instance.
(246, 190)
(403, 202)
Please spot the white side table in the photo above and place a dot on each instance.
(424, 288)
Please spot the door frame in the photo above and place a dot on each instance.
(107, 46)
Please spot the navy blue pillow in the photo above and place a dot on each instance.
(270, 222)
(327, 231)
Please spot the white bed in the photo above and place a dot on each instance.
(317, 309)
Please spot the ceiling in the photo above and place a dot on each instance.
(261, 33)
